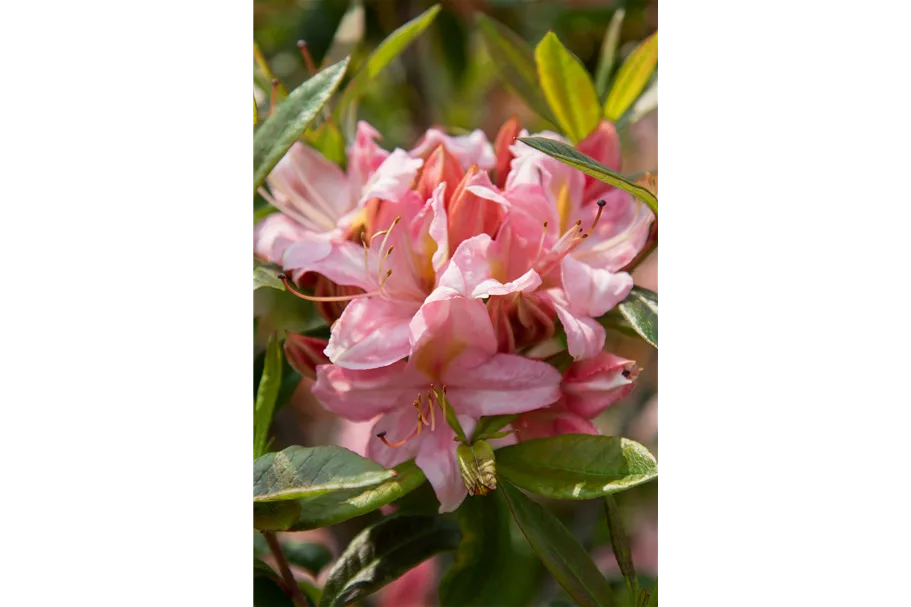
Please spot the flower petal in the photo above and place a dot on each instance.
(437, 458)
(372, 332)
(584, 335)
(393, 178)
(274, 234)
(468, 149)
(340, 262)
(504, 384)
(359, 395)
(453, 333)
(592, 291)
(398, 425)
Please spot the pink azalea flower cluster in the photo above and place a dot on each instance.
(440, 267)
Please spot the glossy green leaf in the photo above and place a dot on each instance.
(336, 506)
(390, 48)
(486, 547)
(608, 52)
(307, 555)
(632, 78)
(298, 472)
(514, 61)
(490, 424)
(255, 112)
(559, 551)
(576, 466)
(620, 545)
(640, 309)
(384, 552)
(291, 118)
(328, 140)
(266, 395)
(266, 275)
(588, 165)
(568, 88)
(281, 91)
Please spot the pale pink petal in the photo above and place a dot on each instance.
(593, 291)
(393, 178)
(470, 149)
(274, 234)
(310, 188)
(372, 332)
(450, 334)
(437, 459)
(620, 234)
(504, 384)
(355, 436)
(359, 395)
(398, 425)
(584, 335)
(340, 262)
(471, 268)
(412, 589)
(365, 156)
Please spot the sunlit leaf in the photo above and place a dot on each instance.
(266, 275)
(640, 309)
(490, 424)
(328, 140)
(645, 104)
(281, 91)
(568, 88)
(632, 77)
(266, 396)
(608, 52)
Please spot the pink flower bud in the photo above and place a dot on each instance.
(440, 167)
(602, 144)
(304, 353)
(470, 214)
(520, 320)
(551, 421)
(592, 385)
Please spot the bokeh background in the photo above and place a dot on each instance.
(446, 79)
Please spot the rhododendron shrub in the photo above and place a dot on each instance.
(462, 292)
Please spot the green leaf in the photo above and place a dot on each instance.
(291, 118)
(632, 78)
(336, 506)
(269, 385)
(560, 552)
(309, 556)
(514, 61)
(328, 140)
(266, 275)
(390, 48)
(640, 309)
(576, 466)
(486, 548)
(299, 472)
(609, 52)
(255, 112)
(281, 91)
(588, 165)
(384, 552)
(568, 88)
(490, 424)
(620, 544)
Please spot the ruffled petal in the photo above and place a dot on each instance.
(372, 332)
(274, 234)
(592, 291)
(504, 384)
(584, 335)
(437, 459)
(451, 334)
(359, 395)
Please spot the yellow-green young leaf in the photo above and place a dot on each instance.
(281, 91)
(291, 118)
(568, 88)
(255, 112)
(588, 165)
(267, 395)
(632, 78)
(389, 49)
(609, 52)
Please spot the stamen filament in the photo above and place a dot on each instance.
(293, 291)
(382, 437)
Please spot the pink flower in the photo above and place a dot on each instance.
(319, 203)
(468, 149)
(588, 388)
(453, 357)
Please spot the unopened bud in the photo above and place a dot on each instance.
(478, 467)
(304, 353)
(592, 385)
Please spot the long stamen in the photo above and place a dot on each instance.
(541, 242)
(382, 437)
(293, 291)
(601, 205)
